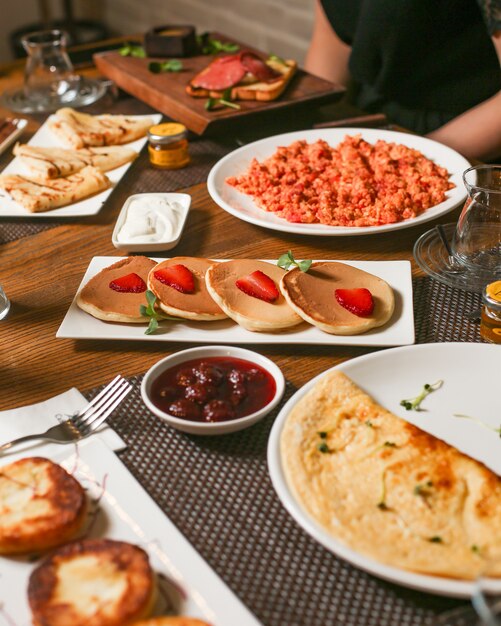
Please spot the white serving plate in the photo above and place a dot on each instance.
(470, 372)
(128, 513)
(44, 138)
(183, 199)
(398, 331)
(242, 206)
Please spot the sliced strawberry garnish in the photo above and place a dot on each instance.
(357, 301)
(130, 283)
(176, 276)
(258, 285)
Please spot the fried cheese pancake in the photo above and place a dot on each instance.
(78, 130)
(387, 489)
(52, 194)
(95, 582)
(41, 506)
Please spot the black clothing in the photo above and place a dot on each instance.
(422, 62)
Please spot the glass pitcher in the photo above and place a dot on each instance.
(49, 80)
(477, 238)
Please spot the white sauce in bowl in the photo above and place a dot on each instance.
(150, 220)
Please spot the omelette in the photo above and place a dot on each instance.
(387, 489)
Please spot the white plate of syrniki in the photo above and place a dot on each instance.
(216, 310)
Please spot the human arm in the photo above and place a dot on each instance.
(327, 56)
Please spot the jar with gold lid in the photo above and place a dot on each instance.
(490, 317)
(168, 146)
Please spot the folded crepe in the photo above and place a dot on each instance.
(38, 197)
(78, 130)
(46, 163)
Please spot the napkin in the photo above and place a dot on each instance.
(37, 418)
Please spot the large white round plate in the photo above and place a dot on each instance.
(242, 206)
(471, 375)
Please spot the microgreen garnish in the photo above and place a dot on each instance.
(208, 45)
(414, 404)
(423, 489)
(382, 500)
(152, 313)
(479, 421)
(132, 50)
(436, 539)
(390, 444)
(277, 59)
(322, 434)
(474, 548)
(225, 100)
(323, 447)
(369, 424)
(287, 260)
(172, 65)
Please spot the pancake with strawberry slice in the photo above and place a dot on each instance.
(117, 292)
(338, 298)
(179, 285)
(247, 291)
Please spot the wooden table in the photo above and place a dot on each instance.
(41, 273)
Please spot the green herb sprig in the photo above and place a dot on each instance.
(479, 421)
(209, 45)
(277, 59)
(150, 311)
(159, 67)
(287, 260)
(225, 100)
(414, 404)
(132, 50)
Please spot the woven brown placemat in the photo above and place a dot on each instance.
(218, 493)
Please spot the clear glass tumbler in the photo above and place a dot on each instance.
(49, 79)
(4, 303)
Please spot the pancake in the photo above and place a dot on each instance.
(41, 506)
(387, 489)
(311, 295)
(250, 312)
(198, 305)
(95, 582)
(98, 299)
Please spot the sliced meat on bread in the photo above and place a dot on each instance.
(94, 581)
(247, 75)
(46, 163)
(250, 311)
(312, 295)
(41, 506)
(116, 293)
(179, 285)
(52, 194)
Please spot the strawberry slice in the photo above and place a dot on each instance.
(357, 301)
(178, 277)
(130, 283)
(258, 285)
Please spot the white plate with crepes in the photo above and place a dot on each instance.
(399, 330)
(470, 375)
(120, 509)
(243, 206)
(44, 138)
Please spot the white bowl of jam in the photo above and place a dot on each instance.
(213, 390)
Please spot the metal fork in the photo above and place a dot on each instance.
(86, 421)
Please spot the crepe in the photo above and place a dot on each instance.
(78, 130)
(387, 489)
(47, 163)
(38, 197)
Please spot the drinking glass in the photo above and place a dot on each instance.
(4, 303)
(477, 238)
(49, 80)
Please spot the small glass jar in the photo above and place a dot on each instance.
(490, 316)
(168, 146)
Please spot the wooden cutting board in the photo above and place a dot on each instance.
(166, 92)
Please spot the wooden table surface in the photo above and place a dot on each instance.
(40, 274)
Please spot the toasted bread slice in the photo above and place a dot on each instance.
(198, 305)
(263, 91)
(95, 582)
(41, 506)
(312, 295)
(172, 621)
(247, 311)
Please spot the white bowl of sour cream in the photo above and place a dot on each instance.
(151, 221)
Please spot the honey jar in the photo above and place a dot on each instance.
(490, 316)
(168, 146)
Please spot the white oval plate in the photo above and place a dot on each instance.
(242, 205)
(471, 377)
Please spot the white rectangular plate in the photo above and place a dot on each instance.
(398, 331)
(127, 513)
(44, 138)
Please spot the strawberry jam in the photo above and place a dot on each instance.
(214, 389)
